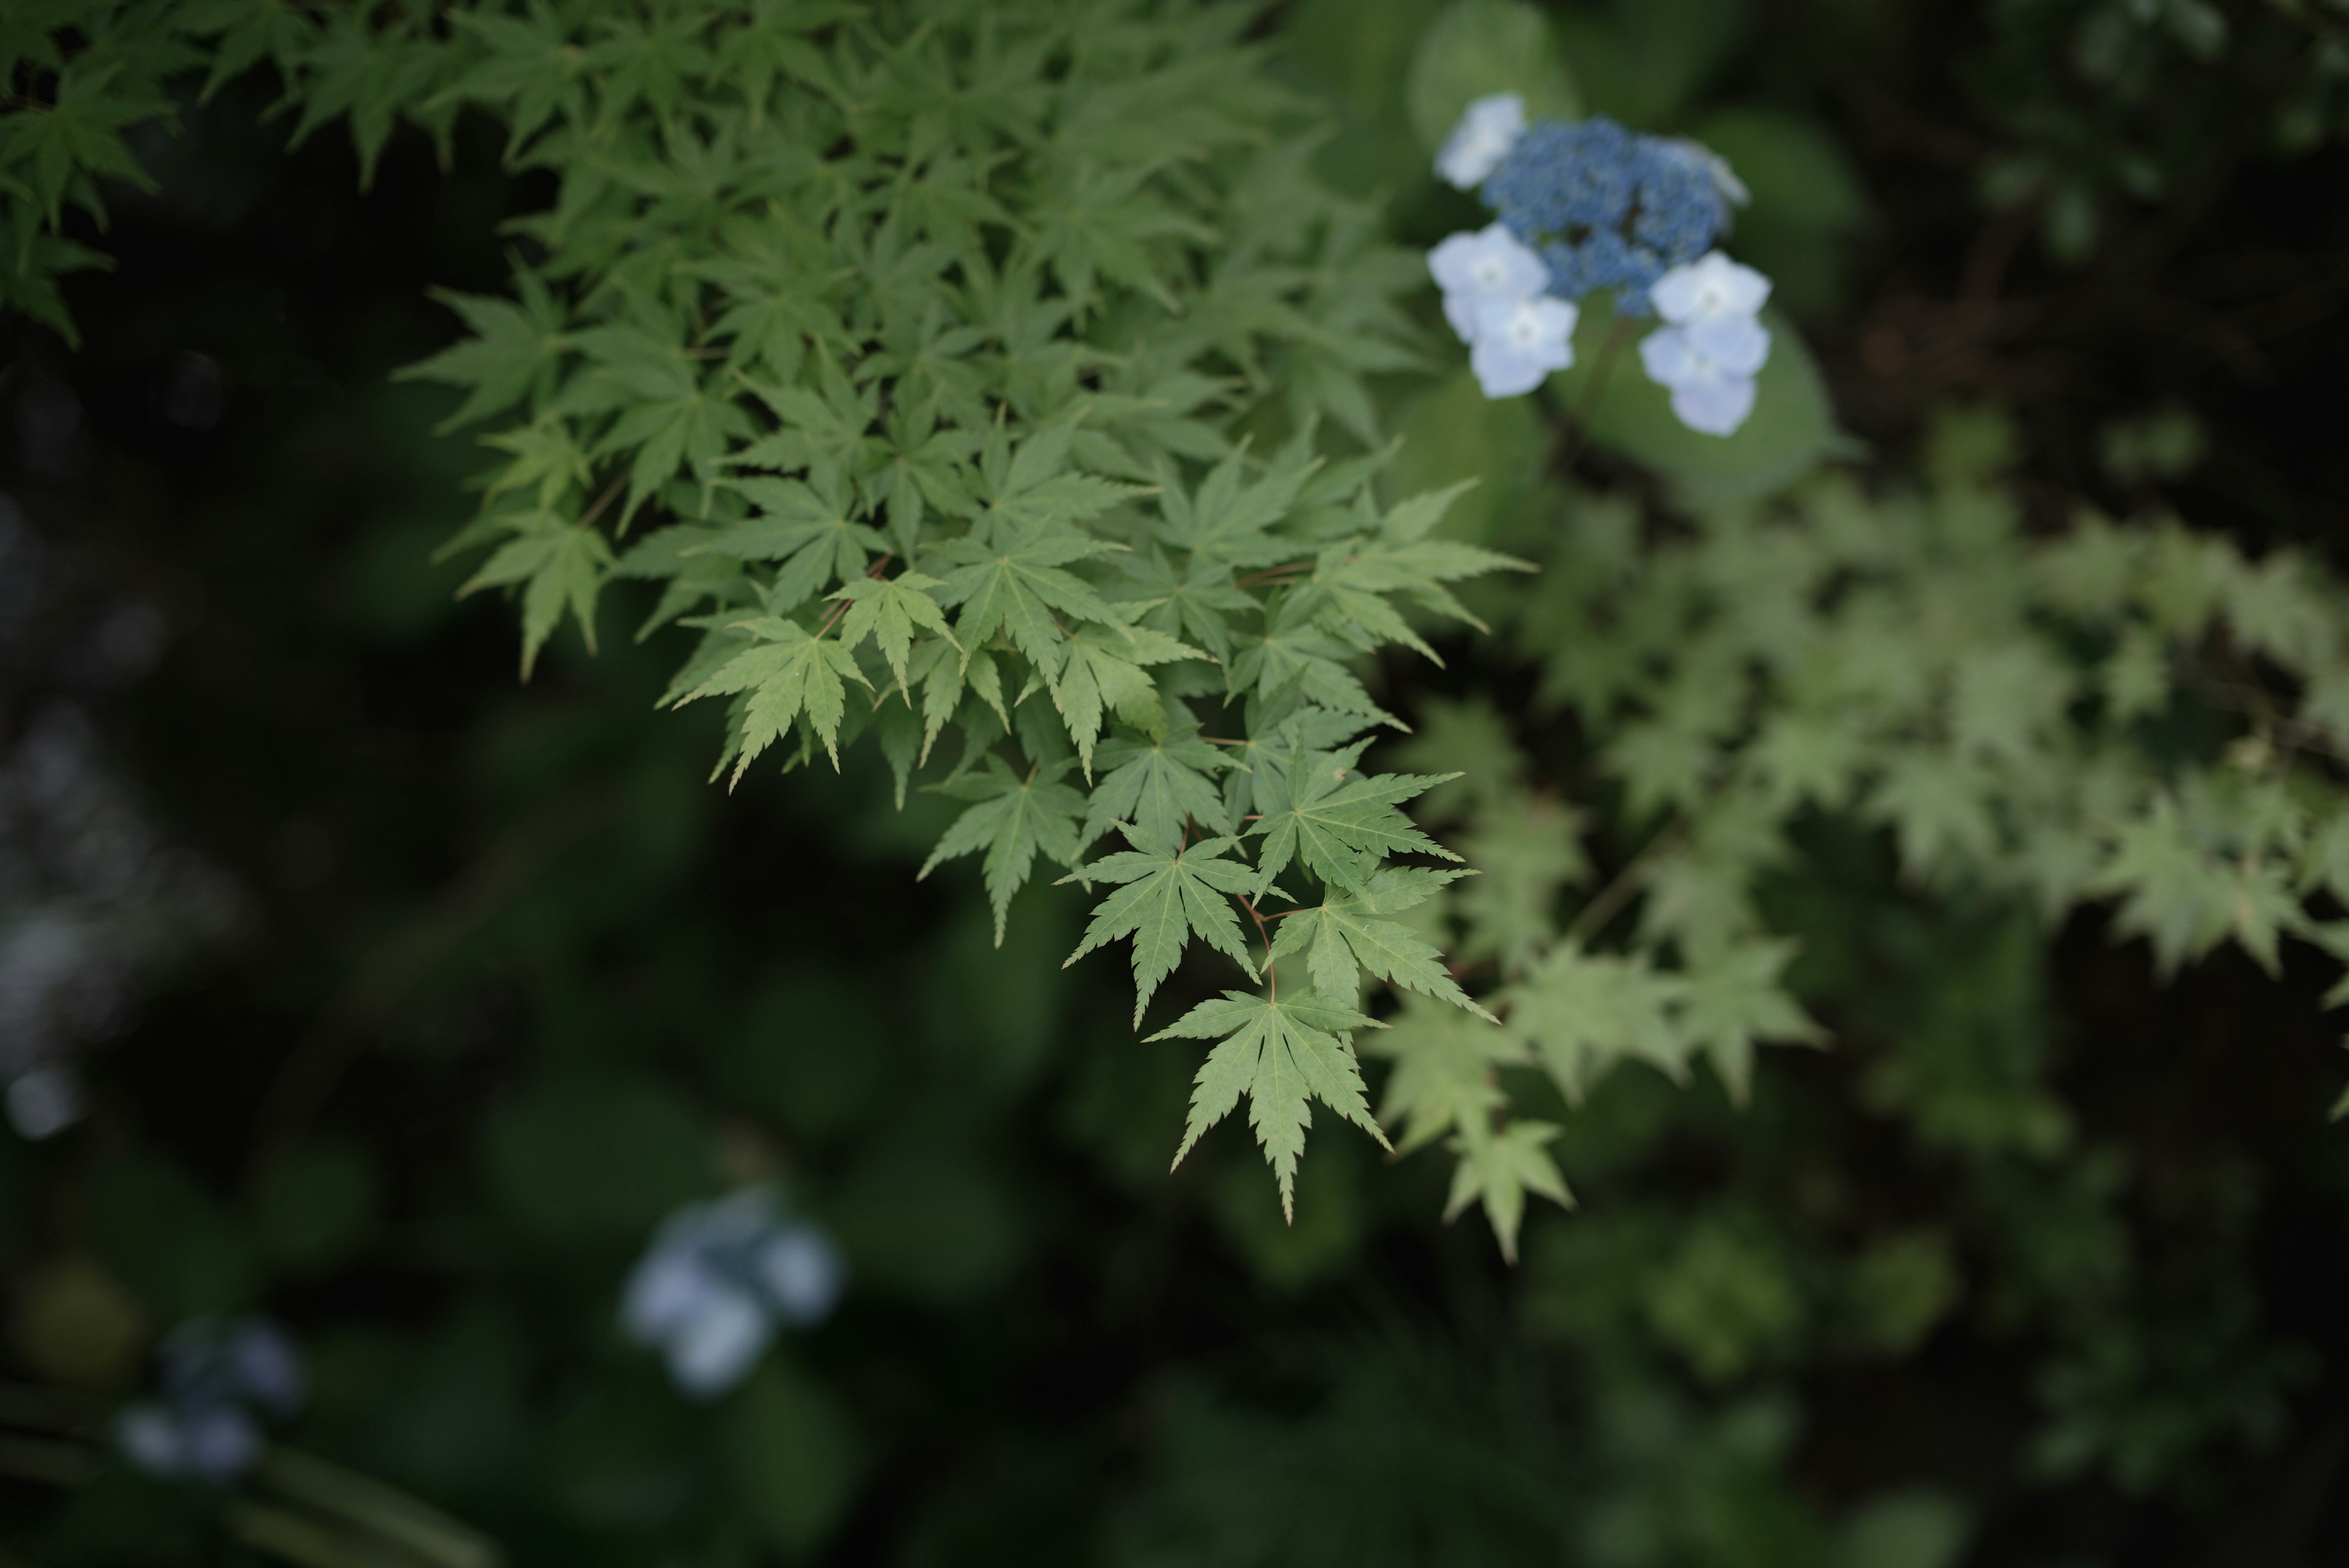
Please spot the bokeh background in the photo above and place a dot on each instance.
(354, 979)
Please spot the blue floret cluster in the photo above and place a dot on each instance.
(1592, 206)
(1606, 209)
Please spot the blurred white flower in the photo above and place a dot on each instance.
(1519, 344)
(1707, 394)
(1717, 301)
(1487, 129)
(718, 1280)
(1491, 265)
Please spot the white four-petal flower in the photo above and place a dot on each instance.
(1489, 266)
(1518, 343)
(1487, 129)
(1707, 395)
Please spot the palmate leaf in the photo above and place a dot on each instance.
(787, 673)
(1104, 667)
(669, 417)
(1347, 930)
(1581, 1012)
(1158, 785)
(562, 567)
(1014, 819)
(888, 610)
(1283, 1056)
(808, 527)
(1035, 483)
(1167, 895)
(1227, 521)
(1499, 1168)
(511, 355)
(1336, 822)
(1444, 1070)
(1016, 586)
(1735, 1001)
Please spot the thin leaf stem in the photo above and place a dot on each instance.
(1635, 876)
(611, 493)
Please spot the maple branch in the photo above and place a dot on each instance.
(840, 609)
(1272, 575)
(1272, 978)
(611, 492)
(1628, 881)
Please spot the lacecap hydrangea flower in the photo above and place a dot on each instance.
(719, 1279)
(218, 1382)
(1592, 206)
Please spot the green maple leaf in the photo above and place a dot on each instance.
(1336, 822)
(1347, 930)
(666, 415)
(1939, 807)
(1166, 897)
(1226, 520)
(1016, 586)
(822, 428)
(787, 674)
(1499, 1168)
(1106, 667)
(76, 135)
(887, 610)
(805, 526)
(1197, 603)
(1473, 736)
(1806, 758)
(1014, 819)
(1158, 784)
(1034, 485)
(1580, 1012)
(1281, 1054)
(925, 467)
(511, 355)
(528, 69)
(1350, 580)
(561, 564)
(1445, 1065)
(1734, 1000)
(1103, 221)
(1528, 849)
(1297, 659)
(2174, 891)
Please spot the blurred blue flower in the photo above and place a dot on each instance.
(1518, 343)
(216, 1380)
(1489, 265)
(718, 1280)
(1487, 131)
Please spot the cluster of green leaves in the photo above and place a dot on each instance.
(2136, 714)
(923, 354)
(73, 78)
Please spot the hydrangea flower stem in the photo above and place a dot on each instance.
(1573, 437)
